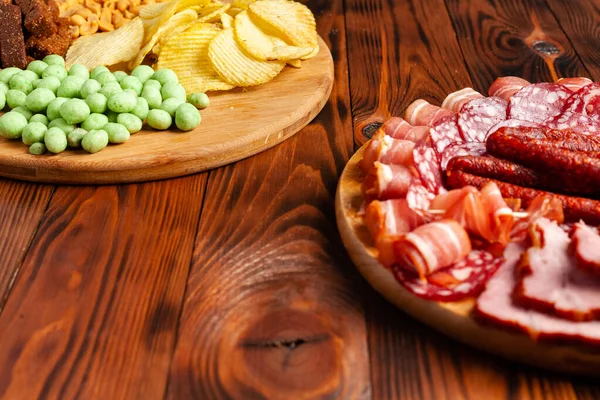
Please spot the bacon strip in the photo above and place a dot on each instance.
(585, 246)
(505, 86)
(432, 246)
(420, 113)
(396, 127)
(454, 101)
(387, 150)
(575, 83)
(385, 182)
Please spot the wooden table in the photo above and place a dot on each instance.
(234, 283)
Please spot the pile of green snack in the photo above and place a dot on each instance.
(52, 108)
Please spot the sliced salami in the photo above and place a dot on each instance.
(419, 197)
(538, 102)
(464, 279)
(459, 149)
(576, 122)
(511, 123)
(444, 132)
(478, 116)
(586, 102)
(428, 166)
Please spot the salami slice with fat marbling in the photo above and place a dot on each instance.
(459, 149)
(538, 102)
(428, 166)
(464, 279)
(477, 117)
(419, 197)
(511, 123)
(444, 132)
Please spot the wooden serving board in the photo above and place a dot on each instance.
(452, 319)
(236, 125)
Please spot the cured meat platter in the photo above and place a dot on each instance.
(480, 218)
(238, 123)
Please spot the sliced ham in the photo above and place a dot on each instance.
(540, 207)
(385, 182)
(454, 101)
(550, 281)
(575, 83)
(396, 127)
(585, 246)
(387, 150)
(495, 305)
(420, 113)
(431, 247)
(501, 216)
(505, 86)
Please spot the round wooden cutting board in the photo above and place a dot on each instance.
(236, 125)
(452, 319)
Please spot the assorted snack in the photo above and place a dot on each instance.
(495, 199)
(53, 108)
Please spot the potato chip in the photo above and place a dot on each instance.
(235, 66)
(261, 45)
(312, 54)
(295, 63)
(233, 11)
(293, 21)
(177, 23)
(151, 25)
(242, 4)
(187, 54)
(226, 21)
(107, 48)
(150, 11)
(212, 12)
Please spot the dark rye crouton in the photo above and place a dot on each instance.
(40, 47)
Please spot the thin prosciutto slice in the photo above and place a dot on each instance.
(431, 247)
(540, 207)
(387, 150)
(585, 246)
(550, 280)
(385, 182)
(575, 83)
(454, 101)
(420, 113)
(501, 215)
(505, 86)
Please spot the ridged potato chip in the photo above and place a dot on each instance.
(109, 48)
(235, 66)
(226, 21)
(312, 54)
(292, 21)
(187, 55)
(162, 14)
(242, 4)
(211, 12)
(295, 63)
(261, 45)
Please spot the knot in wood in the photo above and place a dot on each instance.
(547, 48)
(370, 129)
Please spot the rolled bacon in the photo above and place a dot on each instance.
(396, 127)
(387, 150)
(505, 86)
(454, 101)
(385, 182)
(575, 83)
(421, 113)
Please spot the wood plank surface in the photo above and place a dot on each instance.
(21, 208)
(271, 288)
(93, 313)
(399, 51)
(521, 38)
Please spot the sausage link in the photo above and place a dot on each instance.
(559, 139)
(575, 208)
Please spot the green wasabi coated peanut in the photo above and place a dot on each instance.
(39, 118)
(30, 75)
(133, 92)
(173, 90)
(21, 83)
(53, 110)
(23, 111)
(106, 77)
(97, 103)
(51, 83)
(98, 70)
(7, 73)
(36, 82)
(117, 133)
(112, 116)
(12, 125)
(94, 121)
(122, 102)
(3, 87)
(54, 59)
(75, 136)
(39, 99)
(94, 141)
(165, 75)
(141, 108)
(15, 98)
(2, 100)
(133, 83)
(37, 149)
(110, 88)
(74, 111)
(152, 83)
(130, 121)
(70, 87)
(199, 100)
(61, 124)
(37, 66)
(170, 105)
(80, 71)
(152, 96)
(55, 140)
(89, 87)
(119, 75)
(142, 72)
(159, 119)
(33, 132)
(187, 117)
(56, 71)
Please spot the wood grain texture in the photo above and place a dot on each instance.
(236, 125)
(21, 208)
(400, 51)
(93, 313)
(520, 38)
(269, 312)
(579, 19)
